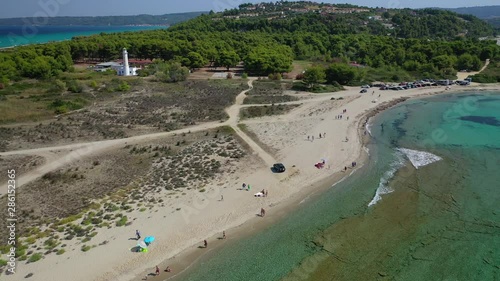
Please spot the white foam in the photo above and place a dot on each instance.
(419, 158)
(368, 126)
(383, 187)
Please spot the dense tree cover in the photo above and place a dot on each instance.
(167, 19)
(265, 46)
(269, 59)
(495, 22)
(166, 71)
(438, 24)
(314, 75)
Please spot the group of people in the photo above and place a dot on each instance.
(157, 271)
(311, 138)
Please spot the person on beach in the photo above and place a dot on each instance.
(307, 137)
(266, 193)
(168, 269)
(222, 197)
(157, 271)
(243, 186)
(262, 212)
(324, 135)
(345, 168)
(248, 187)
(205, 243)
(319, 135)
(137, 234)
(347, 118)
(223, 234)
(346, 139)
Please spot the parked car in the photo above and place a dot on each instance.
(365, 86)
(278, 168)
(363, 91)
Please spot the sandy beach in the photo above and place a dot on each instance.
(181, 224)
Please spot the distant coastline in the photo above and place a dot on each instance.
(11, 36)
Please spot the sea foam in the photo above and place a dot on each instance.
(419, 158)
(368, 126)
(383, 187)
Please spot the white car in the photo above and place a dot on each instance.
(365, 87)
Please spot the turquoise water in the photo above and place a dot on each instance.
(23, 35)
(438, 222)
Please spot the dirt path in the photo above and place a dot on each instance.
(55, 159)
(463, 75)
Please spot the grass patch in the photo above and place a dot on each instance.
(268, 99)
(60, 252)
(35, 257)
(259, 111)
(327, 88)
(85, 248)
(122, 221)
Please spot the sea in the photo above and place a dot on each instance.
(11, 36)
(425, 206)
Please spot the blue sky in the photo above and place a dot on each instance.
(37, 8)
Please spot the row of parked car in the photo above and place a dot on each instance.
(416, 84)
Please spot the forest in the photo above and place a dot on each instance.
(270, 46)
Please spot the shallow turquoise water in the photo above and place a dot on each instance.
(23, 35)
(452, 231)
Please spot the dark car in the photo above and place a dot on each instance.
(278, 168)
(363, 91)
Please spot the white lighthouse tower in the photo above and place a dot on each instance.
(125, 63)
(125, 69)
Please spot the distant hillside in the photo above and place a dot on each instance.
(167, 19)
(482, 12)
(324, 18)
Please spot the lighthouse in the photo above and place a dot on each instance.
(125, 63)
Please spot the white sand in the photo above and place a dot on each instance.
(202, 215)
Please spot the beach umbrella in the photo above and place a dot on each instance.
(149, 239)
(142, 245)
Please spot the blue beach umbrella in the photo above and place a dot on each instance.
(149, 239)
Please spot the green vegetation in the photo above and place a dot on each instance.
(166, 71)
(490, 75)
(122, 221)
(259, 111)
(427, 40)
(35, 257)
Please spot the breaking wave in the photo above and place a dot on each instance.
(383, 187)
(419, 158)
(368, 127)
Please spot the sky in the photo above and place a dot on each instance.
(41, 8)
